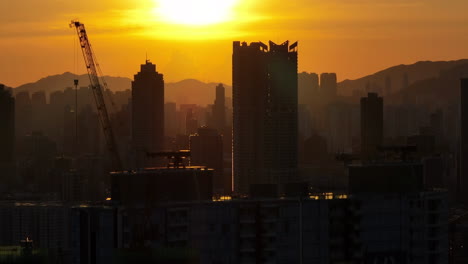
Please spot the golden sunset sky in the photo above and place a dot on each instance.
(185, 40)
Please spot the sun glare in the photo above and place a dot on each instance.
(195, 12)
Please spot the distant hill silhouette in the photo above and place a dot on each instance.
(416, 72)
(440, 91)
(426, 79)
(61, 81)
(186, 91)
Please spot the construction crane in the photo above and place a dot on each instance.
(93, 70)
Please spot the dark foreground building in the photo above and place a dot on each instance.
(264, 114)
(150, 186)
(206, 147)
(7, 133)
(463, 174)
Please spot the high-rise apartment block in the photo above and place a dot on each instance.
(264, 114)
(371, 124)
(219, 109)
(328, 85)
(147, 112)
(7, 125)
(206, 147)
(463, 174)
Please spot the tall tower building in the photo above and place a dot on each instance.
(328, 85)
(463, 174)
(219, 109)
(39, 111)
(7, 125)
(147, 112)
(371, 124)
(264, 114)
(23, 113)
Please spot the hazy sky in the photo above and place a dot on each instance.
(351, 37)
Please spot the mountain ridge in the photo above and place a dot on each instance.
(417, 71)
(191, 91)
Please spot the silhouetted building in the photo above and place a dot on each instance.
(341, 124)
(7, 134)
(39, 111)
(219, 109)
(62, 233)
(170, 119)
(57, 106)
(424, 143)
(23, 114)
(310, 230)
(308, 93)
(264, 114)
(7, 125)
(89, 131)
(147, 112)
(437, 127)
(386, 178)
(371, 124)
(37, 153)
(435, 172)
(69, 143)
(400, 220)
(463, 175)
(191, 123)
(158, 185)
(328, 85)
(206, 148)
(73, 186)
(315, 149)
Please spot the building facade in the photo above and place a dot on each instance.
(371, 125)
(147, 112)
(7, 133)
(264, 114)
(206, 149)
(463, 173)
(219, 109)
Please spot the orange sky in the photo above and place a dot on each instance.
(351, 37)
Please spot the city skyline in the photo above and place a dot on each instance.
(268, 154)
(335, 36)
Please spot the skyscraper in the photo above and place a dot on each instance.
(371, 124)
(328, 85)
(463, 175)
(206, 149)
(219, 109)
(147, 112)
(7, 126)
(39, 111)
(264, 114)
(23, 113)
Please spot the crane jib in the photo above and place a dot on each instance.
(93, 69)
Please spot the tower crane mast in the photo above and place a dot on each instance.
(93, 70)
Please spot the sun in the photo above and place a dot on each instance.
(195, 12)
